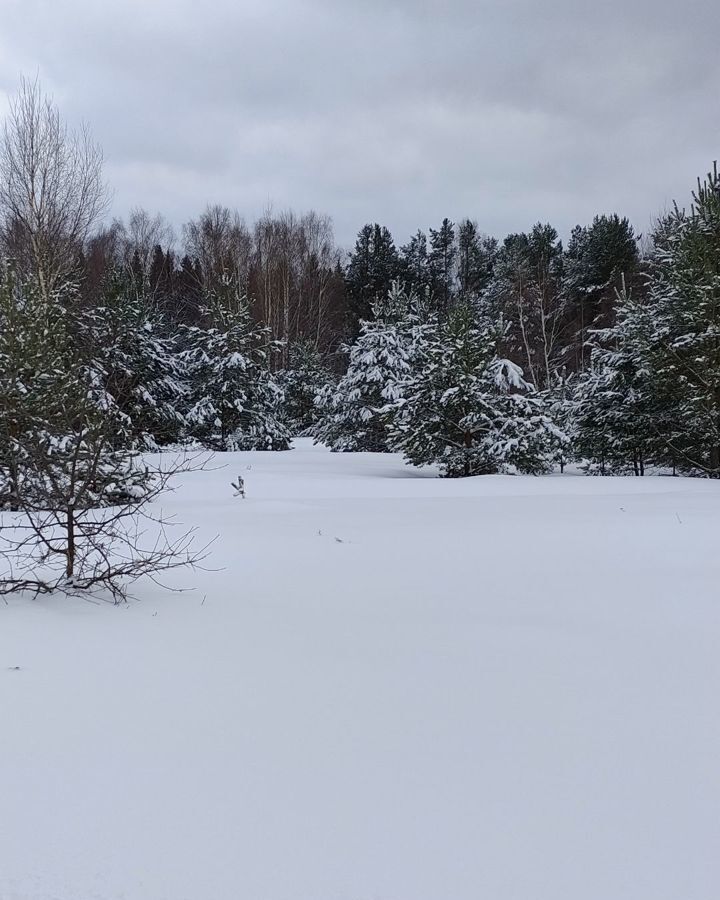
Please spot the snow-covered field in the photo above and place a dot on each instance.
(396, 688)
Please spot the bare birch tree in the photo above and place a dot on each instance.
(51, 187)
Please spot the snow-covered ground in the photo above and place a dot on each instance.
(396, 688)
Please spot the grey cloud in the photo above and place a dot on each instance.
(508, 111)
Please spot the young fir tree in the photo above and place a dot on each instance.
(138, 365)
(357, 412)
(33, 347)
(470, 412)
(599, 259)
(615, 419)
(683, 350)
(234, 403)
(306, 376)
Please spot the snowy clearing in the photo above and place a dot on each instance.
(397, 688)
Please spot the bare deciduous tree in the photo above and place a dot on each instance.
(221, 243)
(142, 234)
(51, 187)
(295, 278)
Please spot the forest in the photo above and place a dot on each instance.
(475, 353)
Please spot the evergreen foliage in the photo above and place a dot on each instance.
(34, 347)
(138, 366)
(477, 356)
(307, 375)
(372, 267)
(233, 401)
(357, 412)
(527, 293)
(615, 417)
(441, 261)
(416, 265)
(65, 444)
(468, 410)
(652, 393)
(682, 349)
(475, 259)
(600, 260)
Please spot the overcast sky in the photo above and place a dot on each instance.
(506, 111)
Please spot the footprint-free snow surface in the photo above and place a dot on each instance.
(394, 687)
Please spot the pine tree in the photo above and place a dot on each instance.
(615, 419)
(442, 265)
(185, 305)
(475, 257)
(77, 491)
(416, 265)
(56, 409)
(234, 403)
(599, 259)
(559, 399)
(358, 411)
(162, 275)
(469, 411)
(372, 267)
(527, 292)
(306, 376)
(682, 352)
(137, 363)
(33, 348)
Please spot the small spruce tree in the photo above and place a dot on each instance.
(234, 403)
(356, 414)
(469, 411)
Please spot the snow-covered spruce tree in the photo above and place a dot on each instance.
(305, 377)
(470, 412)
(615, 418)
(234, 403)
(357, 412)
(80, 497)
(137, 363)
(683, 349)
(599, 259)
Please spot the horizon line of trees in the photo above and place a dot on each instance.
(299, 284)
(253, 333)
(455, 349)
(305, 290)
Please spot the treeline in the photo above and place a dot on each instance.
(592, 354)
(549, 296)
(286, 266)
(455, 348)
(305, 290)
